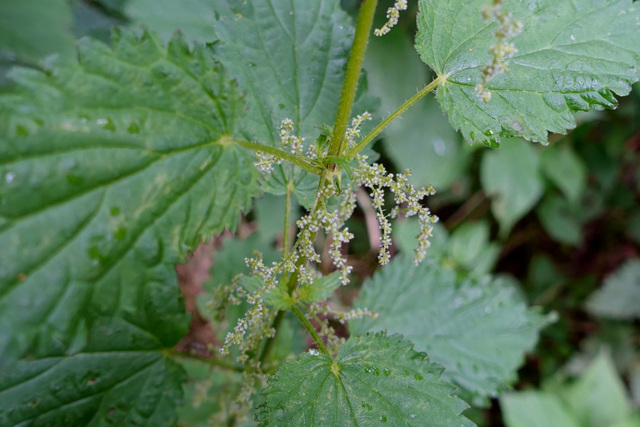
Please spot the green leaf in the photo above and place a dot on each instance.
(433, 309)
(289, 57)
(619, 298)
(571, 56)
(127, 162)
(535, 409)
(565, 169)
(194, 18)
(32, 29)
(471, 248)
(321, 289)
(437, 157)
(511, 178)
(599, 397)
(561, 220)
(118, 378)
(375, 379)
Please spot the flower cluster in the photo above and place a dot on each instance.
(508, 27)
(333, 206)
(393, 13)
(254, 326)
(407, 201)
(288, 139)
(322, 313)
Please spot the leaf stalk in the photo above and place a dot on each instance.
(386, 122)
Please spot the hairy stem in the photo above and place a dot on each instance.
(309, 327)
(408, 103)
(286, 244)
(298, 161)
(268, 345)
(354, 67)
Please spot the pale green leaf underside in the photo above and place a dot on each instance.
(619, 298)
(111, 168)
(597, 399)
(478, 330)
(117, 379)
(375, 380)
(572, 55)
(535, 409)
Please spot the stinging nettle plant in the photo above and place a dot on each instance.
(114, 165)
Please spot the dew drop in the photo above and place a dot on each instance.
(106, 124)
(405, 373)
(383, 419)
(114, 211)
(439, 147)
(387, 372)
(69, 163)
(9, 177)
(313, 352)
(418, 377)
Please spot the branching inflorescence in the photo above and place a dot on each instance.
(335, 203)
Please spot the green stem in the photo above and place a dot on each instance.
(354, 67)
(286, 244)
(214, 362)
(268, 345)
(309, 327)
(298, 161)
(408, 103)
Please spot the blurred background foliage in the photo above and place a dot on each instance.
(561, 222)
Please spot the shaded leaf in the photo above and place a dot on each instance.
(32, 29)
(561, 220)
(535, 409)
(471, 248)
(511, 178)
(433, 309)
(596, 399)
(565, 169)
(375, 379)
(572, 55)
(194, 18)
(599, 397)
(619, 298)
